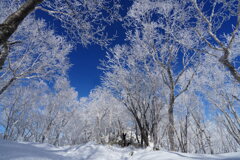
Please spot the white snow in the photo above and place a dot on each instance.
(90, 151)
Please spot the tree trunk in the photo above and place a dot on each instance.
(186, 134)
(155, 137)
(7, 85)
(136, 133)
(10, 25)
(143, 132)
(56, 142)
(145, 137)
(46, 132)
(124, 139)
(5, 136)
(225, 61)
(171, 121)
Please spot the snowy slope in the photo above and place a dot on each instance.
(90, 151)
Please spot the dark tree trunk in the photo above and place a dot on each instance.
(124, 139)
(7, 85)
(183, 135)
(56, 142)
(136, 133)
(185, 146)
(10, 25)
(143, 131)
(171, 121)
(144, 134)
(45, 134)
(43, 139)
(225, 61)
(5, 136)
(145, 138)
(155, 137)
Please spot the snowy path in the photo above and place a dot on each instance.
(34, 151)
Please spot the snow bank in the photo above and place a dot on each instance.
(90, 151)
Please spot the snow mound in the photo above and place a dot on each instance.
(90, 151)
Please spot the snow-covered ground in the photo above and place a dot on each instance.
(90, 151)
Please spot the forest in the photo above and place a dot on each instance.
(173, 84)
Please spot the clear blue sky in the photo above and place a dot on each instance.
(84, 75)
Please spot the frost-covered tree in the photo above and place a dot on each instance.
(39, 54)
(164, 86)
(155, 23)
(35, 112)
(211, 18)
(100, 118)
(134, 80)
(221, 92)
(57, 110)
(17, 106)
(83, 20)
(108, 121)
(164, 39)
(193, 131)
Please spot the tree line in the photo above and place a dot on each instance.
(173, 84)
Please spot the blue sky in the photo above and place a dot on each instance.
(84, 74)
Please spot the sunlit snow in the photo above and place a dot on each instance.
(90, 151)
